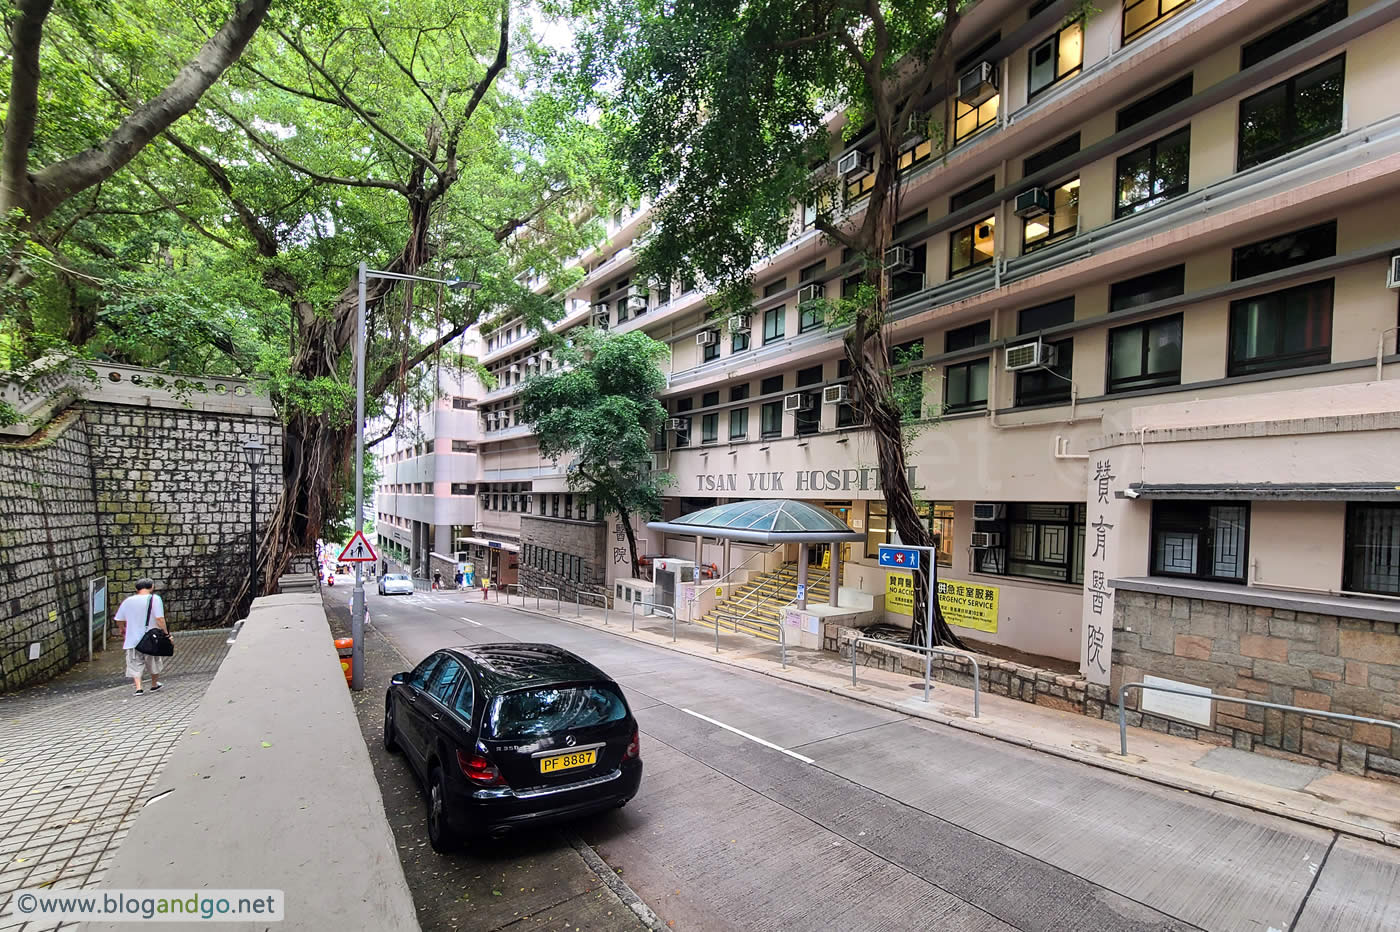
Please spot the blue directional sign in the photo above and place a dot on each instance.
(901, 558)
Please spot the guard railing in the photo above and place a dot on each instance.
(734, 622)
(660, 610)
(1301, 710)
(928, 653)
(581, 594)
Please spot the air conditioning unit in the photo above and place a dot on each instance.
(915, 131)
(836, 394)
(979, 85)
(797, 401)
(1025, 356)
(899, 259)
(546, 356)
(637, 303)
(677, 423)
(707, 338)
(637, 291)
(812, 292)
(854, 164)
(514, 369)
(1392, 278)
(988, 511)
(981, 540)
(600, 308)
(1032, 203)
(742, 323)
(532, 361)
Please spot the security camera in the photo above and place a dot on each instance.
(1130, 493)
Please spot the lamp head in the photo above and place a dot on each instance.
(458, 284)
(253, 453)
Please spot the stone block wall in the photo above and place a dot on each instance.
(999, 677)
(546, 536)
(49, 550)
(1323, 662)
(173, 502)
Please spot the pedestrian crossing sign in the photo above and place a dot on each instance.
(358, 550)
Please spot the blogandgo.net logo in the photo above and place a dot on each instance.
(149, 905)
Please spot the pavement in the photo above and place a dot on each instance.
(548, 880)
(77, 757)
(770, 802)
(1363, 807)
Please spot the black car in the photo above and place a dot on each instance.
(508, 735)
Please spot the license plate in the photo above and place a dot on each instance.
(568, 761)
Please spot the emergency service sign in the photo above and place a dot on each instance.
(965, 604)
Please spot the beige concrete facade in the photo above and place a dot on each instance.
(1280, 393)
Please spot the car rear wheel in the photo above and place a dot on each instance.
(391, 741)
(439, 835)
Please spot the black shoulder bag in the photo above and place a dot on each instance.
(155, 641)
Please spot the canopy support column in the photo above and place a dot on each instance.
(834, 580)
(802, 576)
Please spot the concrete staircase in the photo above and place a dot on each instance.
(756, 607)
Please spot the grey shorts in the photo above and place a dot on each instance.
(139, 664)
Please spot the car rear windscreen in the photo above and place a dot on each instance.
(533, 712)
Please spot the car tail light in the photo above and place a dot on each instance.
(479, 770)
(634, 747)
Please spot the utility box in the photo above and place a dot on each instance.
(671, 577)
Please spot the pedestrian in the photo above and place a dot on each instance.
(437, 579)
(138, 613)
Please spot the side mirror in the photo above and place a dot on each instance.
(398, 679)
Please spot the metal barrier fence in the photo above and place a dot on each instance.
(516, 586)
(660, 609)
(928, 653)
(1317, 713)
(581, 594)
(734, 624)
(558, 609)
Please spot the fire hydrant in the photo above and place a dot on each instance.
(345, 648)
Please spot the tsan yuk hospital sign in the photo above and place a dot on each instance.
(861, 479)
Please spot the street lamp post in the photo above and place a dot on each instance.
(357, 598)
(253, 453)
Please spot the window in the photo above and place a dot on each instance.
(445, 679)
(710, 351)
(965, 386)
(1201, 540)
(1154, 103)
(879, 529)
(529, 713)
(1372, 549)
(774, 322)
(1040, 540)
(1060, 223)
(908, 387)
(1147, 289)
(461, 446)
(739, 392)
(554, 504)
(973, 246)
(774, 383)
(663, 294)
(1139, 16)
(683, 433)
(811, 272)
(809, 420)
(774, 287)
(568, 506)
(967, 337)
(971, 195)
(460, 403)
(860, 187)
(911, 280)
(1057, 58)
(463, 488)
(771, 415)
(943, 527)
(1047, 386)
(918, 155)
(709, 428)
(811, 315)
(739, 341)
(1281, 252)
(969, 120)
(1291, 33)
(1282, 330)
(1292, 114)
(709, 399)
(738, 423)
(1155, 173)
(1050, 155)
(1146, 355)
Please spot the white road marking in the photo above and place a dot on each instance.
(429, 608)
(477, 623)
(745, 734)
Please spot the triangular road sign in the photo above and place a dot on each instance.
(358, 550)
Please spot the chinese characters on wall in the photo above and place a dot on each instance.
(1095, 657)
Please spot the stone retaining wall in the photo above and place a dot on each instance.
(587, 541)
(1322, 662)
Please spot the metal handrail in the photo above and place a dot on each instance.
(757, 553)
(928, 653)
(579, 595)
(557, 608)
(810, 582)
(518, 591)
(666, 612)
(1318, 713)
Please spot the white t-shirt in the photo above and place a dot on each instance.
(133, 612)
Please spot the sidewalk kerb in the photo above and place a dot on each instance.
(1171, 782)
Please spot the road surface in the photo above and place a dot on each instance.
(769, 806)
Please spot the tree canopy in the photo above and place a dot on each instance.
(599, 413)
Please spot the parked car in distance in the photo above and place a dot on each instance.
(396, 583)
(511, 735)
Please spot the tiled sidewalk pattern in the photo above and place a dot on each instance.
(78, 758)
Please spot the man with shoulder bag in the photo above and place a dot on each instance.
(147, 640)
